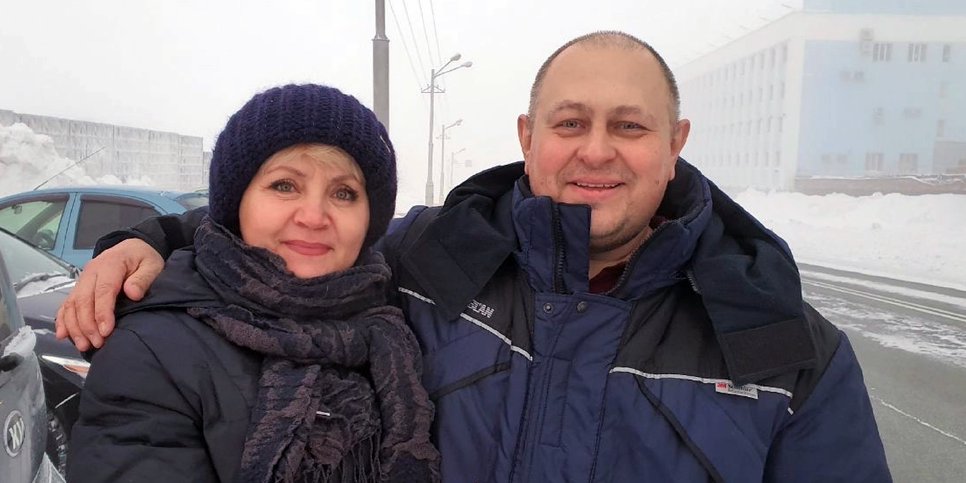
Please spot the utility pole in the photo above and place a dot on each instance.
(432, 90)
(442, 158)
(380, 66)
(429, 166)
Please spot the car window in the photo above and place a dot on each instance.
(99, 217)
(27, 265)
(192, 200)
(36, 221)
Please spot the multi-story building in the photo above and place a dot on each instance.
(170, 160)
(841, 88)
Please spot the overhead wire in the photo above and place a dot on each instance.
(402, 37)
(432, 11)
(429, 46)
(419, 58)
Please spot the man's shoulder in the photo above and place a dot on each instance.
(404, 231)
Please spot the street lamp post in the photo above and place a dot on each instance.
(380, 66)
(452, 163)
(432, 90)
(442, 158)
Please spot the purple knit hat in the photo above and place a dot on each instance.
(297, 114)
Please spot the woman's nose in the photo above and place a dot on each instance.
(312, 214)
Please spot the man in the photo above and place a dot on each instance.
(601, 311)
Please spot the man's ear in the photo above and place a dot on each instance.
(679, 137)
(524, 134)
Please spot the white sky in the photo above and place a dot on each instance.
(185, 66)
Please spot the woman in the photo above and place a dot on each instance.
(267, 352)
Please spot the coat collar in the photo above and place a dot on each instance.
(745, 274)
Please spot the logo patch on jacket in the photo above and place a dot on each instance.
(728, 387)
(481, 308)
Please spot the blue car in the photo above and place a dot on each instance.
(67, 221)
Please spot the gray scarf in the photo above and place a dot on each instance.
(339, 396)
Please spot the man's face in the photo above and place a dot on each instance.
(602, 135)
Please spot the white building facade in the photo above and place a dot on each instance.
(843, 88)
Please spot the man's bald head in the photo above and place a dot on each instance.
(606, 39)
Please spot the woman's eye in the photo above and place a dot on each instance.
(283, 186)
(346, 194)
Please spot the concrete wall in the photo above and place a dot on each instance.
(171, 160)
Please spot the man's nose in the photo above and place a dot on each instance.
(598, 147)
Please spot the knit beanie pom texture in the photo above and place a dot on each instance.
(301, 114)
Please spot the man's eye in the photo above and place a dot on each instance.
(283, 186)
(630, 125)
(569, 124)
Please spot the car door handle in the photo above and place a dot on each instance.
(10, 362)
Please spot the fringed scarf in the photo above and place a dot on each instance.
(339, 397)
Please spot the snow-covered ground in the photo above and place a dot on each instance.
(916, 238)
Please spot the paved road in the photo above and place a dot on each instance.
(911, 341)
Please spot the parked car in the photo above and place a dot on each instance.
(23, 413)
(68, 221)
(39, 282)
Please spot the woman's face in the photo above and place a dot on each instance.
(308, 205)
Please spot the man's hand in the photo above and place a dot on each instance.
(87, 315)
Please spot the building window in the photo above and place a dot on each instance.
(908, 163)
(917, 52)
(858, 76)
(943, 89)
(784, 52)
(912, 113)
(878, 115)
(874, 162)
(778, 158)
(947, 52)
(841, 158)
(826, 158)
(780, 124)
(881, 52)
(941, 128)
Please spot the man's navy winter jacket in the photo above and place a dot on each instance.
(703, 363)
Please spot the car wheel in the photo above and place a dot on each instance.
(56, 443)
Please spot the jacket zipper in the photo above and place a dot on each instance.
(633, 260)
(559, 254)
